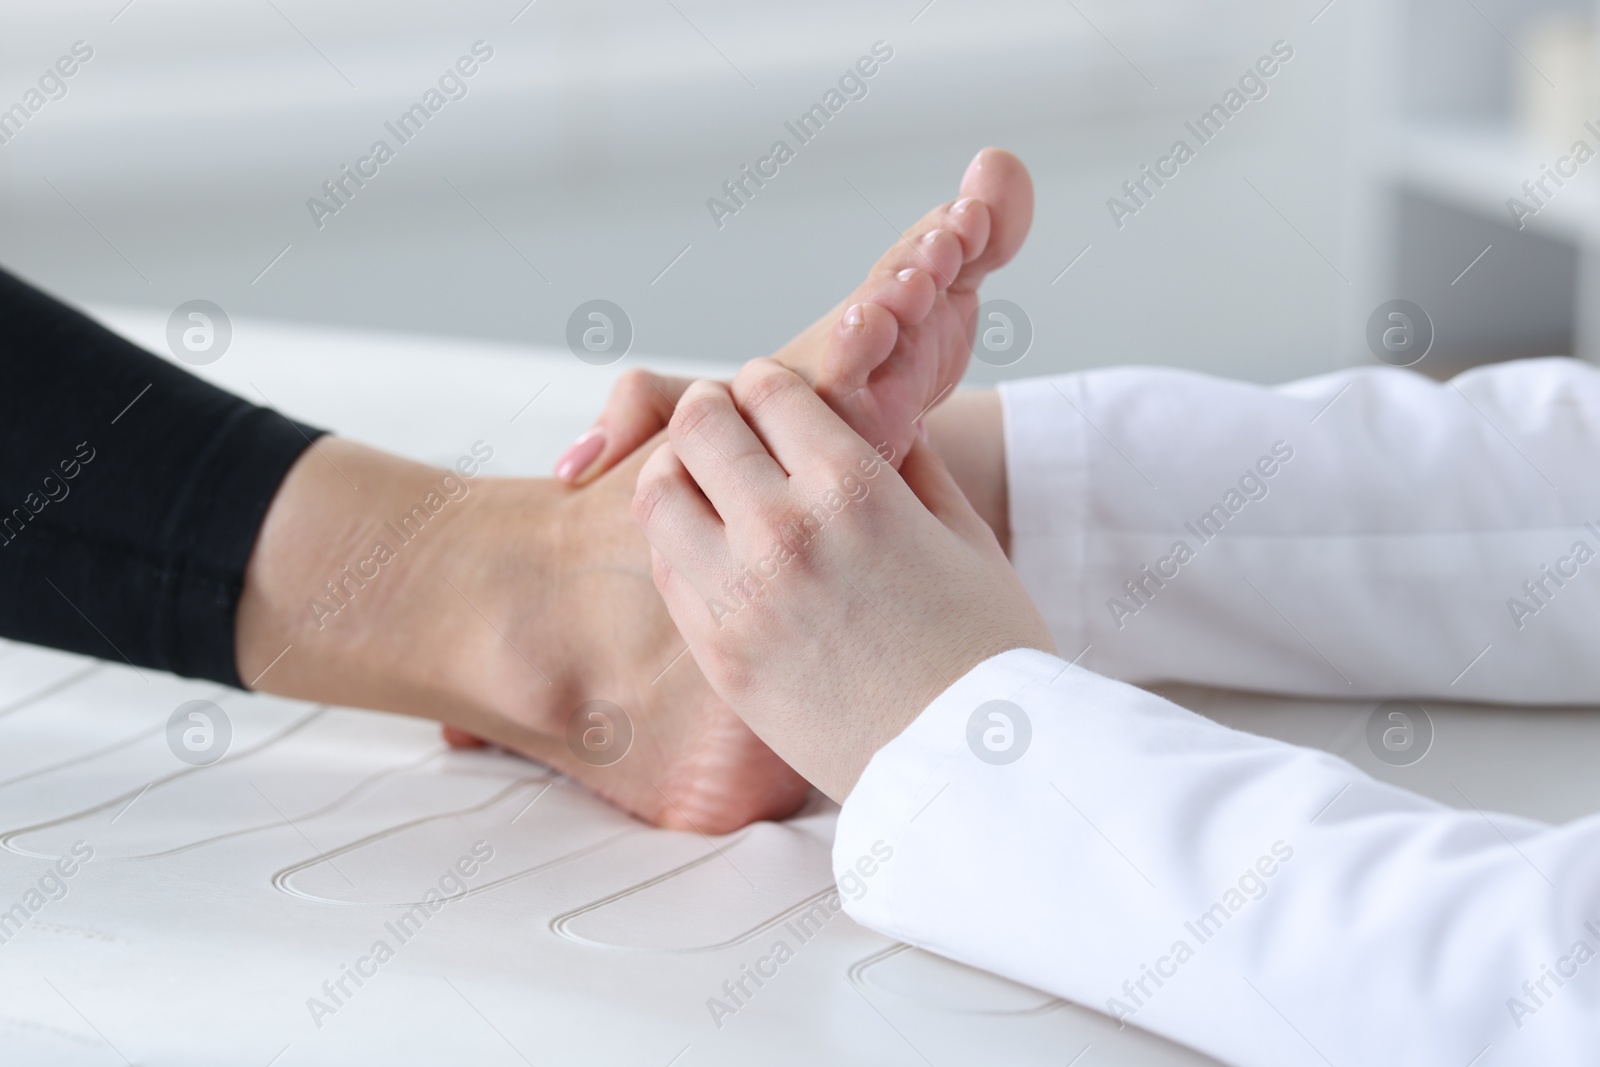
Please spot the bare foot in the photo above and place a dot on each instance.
(894, 347)
(889, 351)
(586, 609)
(519, 603)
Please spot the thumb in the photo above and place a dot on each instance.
(927, 476)
(638, 408)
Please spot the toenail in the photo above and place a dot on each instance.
(907, 274)
(960, 206)
(854, 317)
(931, 236)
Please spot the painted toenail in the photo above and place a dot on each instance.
(907, 274)
(854, 317)
(960, 206)
(931, 236)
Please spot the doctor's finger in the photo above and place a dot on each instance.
(926, 475)
(795, 425)
(679, 522)
(724, 456)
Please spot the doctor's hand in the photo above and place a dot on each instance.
(826, 597)
(965, 429)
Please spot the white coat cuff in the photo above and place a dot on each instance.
(1047, 478)
(905, 776)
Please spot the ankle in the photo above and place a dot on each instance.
(367, 587)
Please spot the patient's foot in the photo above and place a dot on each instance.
(901, 341)
(565, 576)
(887, 352)
(518, 604)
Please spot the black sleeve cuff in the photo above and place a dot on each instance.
(231, 491)
(131, 494)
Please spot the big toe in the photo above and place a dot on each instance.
(1001, 181)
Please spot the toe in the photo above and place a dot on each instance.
(862, 340)
(907, 294)
(1001, 182)
(968, 218)
(938, 252)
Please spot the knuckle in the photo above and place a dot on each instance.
(635, 385)
(792, 532)
(642, 394)
(831, 508)
(698, 407)
(649, 496)
(729, 665)
(761, 382)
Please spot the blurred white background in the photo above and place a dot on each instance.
(179, 164)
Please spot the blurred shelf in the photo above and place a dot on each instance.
(1479, 168)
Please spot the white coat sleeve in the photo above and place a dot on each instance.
(1269, 905)
(1368, 533)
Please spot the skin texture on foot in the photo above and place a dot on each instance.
(887, 353)
(518, 602)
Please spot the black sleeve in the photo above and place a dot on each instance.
(130, 493)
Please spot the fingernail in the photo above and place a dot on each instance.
(960, 206)
(580, 455)
(907, 274)
(922, 430)
(931, 236)
(854, 316)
